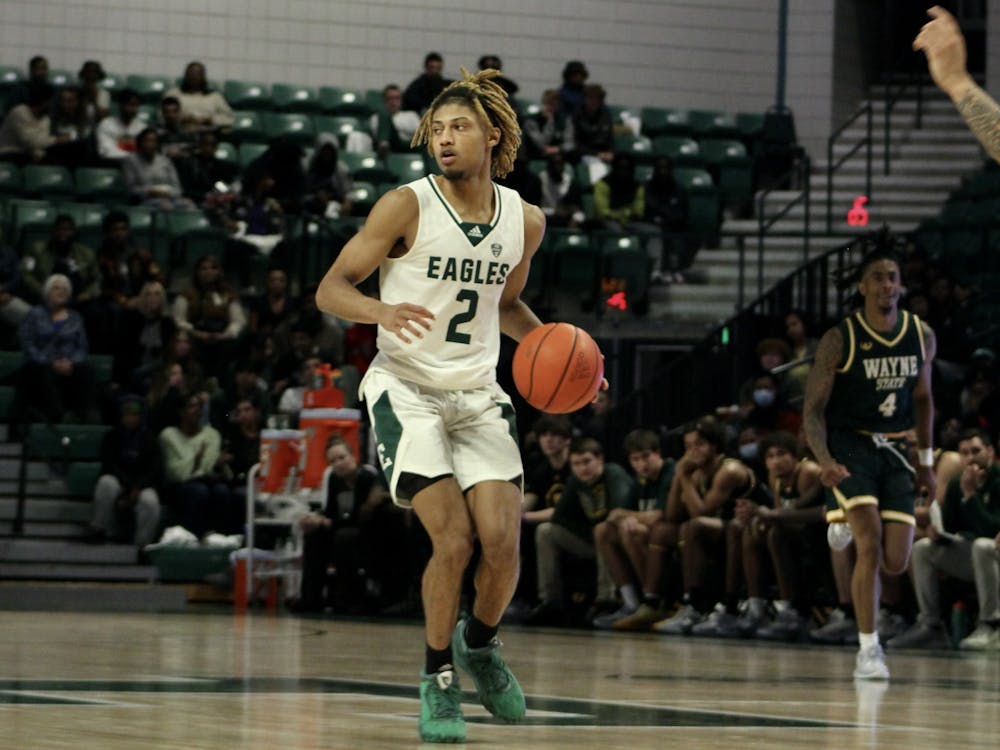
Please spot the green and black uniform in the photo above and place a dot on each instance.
(653, 492)
(583, 506)
(869, 411)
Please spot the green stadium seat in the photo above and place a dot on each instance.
(734, 167)
(684, 152)
(81, 478)
(366, 167)
(10, 178)
(112, 83)
(89, 218)
(657, 121)
(527, 107)
(71, 442)
(149, 88)
(62, 78)
(643, 172)
(250, 151)
(248, 126)
(7, 396)
(342, 101)
(710, 124)
(373, 100)
(704, 205)
(339, 125)
(287, 97)
(751, 126)
(639, 146)
(293, 126)
(576, 266)
(10, 365)
(102, 184)
(47, 181)
(9, 77)
(191, 235)
(23, 213)
(247, 94)
(363, 195)
(102, 365)
(406, 167)
(227, 152)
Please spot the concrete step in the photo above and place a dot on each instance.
(854, 182)
(25, 550)
(92, 597)
(951, 168)
(36, 470)
(60, 571)
(922, 150)
(47, 509)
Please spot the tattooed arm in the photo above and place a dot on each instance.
(818, 388)
(942, 42)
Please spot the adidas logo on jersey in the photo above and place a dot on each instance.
(476, 232)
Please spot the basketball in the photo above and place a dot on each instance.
(558, 368)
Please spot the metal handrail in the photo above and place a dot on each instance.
(913, 77)
(764, 223)
(832, 167)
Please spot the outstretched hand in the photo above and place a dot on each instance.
(942, 41)
(832, 473)
(405, 319)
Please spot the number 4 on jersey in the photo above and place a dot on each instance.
(888, 407)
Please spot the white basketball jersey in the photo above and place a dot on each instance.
(458, 271)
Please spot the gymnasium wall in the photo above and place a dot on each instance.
(713, 54)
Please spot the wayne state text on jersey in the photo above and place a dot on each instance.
(467, 270)
(890, 373)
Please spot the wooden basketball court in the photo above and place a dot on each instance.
(85, 680)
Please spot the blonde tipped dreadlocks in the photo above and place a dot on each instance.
(489, 100)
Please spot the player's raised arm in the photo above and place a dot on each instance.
(390, 226)
(941, 40)
(516, 318)
(818, 389)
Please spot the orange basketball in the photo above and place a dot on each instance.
(558, 368)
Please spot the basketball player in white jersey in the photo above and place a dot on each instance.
(453, 253)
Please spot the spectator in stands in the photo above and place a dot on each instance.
(283, 163)
(145, 332)
(593, 420)
(562, 200)
(25, 136)
(125, 265)
(789, 533)
(544, 479)
(38, 75)
(274, 306)
(421, 91)
(772, 353)
(665, 213)
(200, 497)
(336, 538)
(710, 483)
(619, 198)
(591, 493)
(803, 346)
(550, 130)
(241, 444)
(61, 254)
(126, 500)
(150, 176)
(96, 99)
(328, 182)
(293, 385)
(571, 94)
(487, 62)
(393, 127)
(623, 538)
(211, 312)
(594, 130)
(326, 330)
(13, 308)
(965, 545)
(522, 179)
(245, 384)
(176, 141)
(57, 381)
(202, 171)
(69, 116)
(255, 221)
(201, 107)
(116, 134)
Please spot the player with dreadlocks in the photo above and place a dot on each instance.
(869, 385)
(453, 253)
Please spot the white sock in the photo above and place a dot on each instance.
(867, 640)
(757, 605)
(780, 605)
(630, 595)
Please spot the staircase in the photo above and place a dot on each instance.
(926, 164)
(51, 546)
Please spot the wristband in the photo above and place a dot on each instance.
(925, 457)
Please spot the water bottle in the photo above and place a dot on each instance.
(959, 622)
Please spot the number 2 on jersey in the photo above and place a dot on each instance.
(454, 335)
(888, 407)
